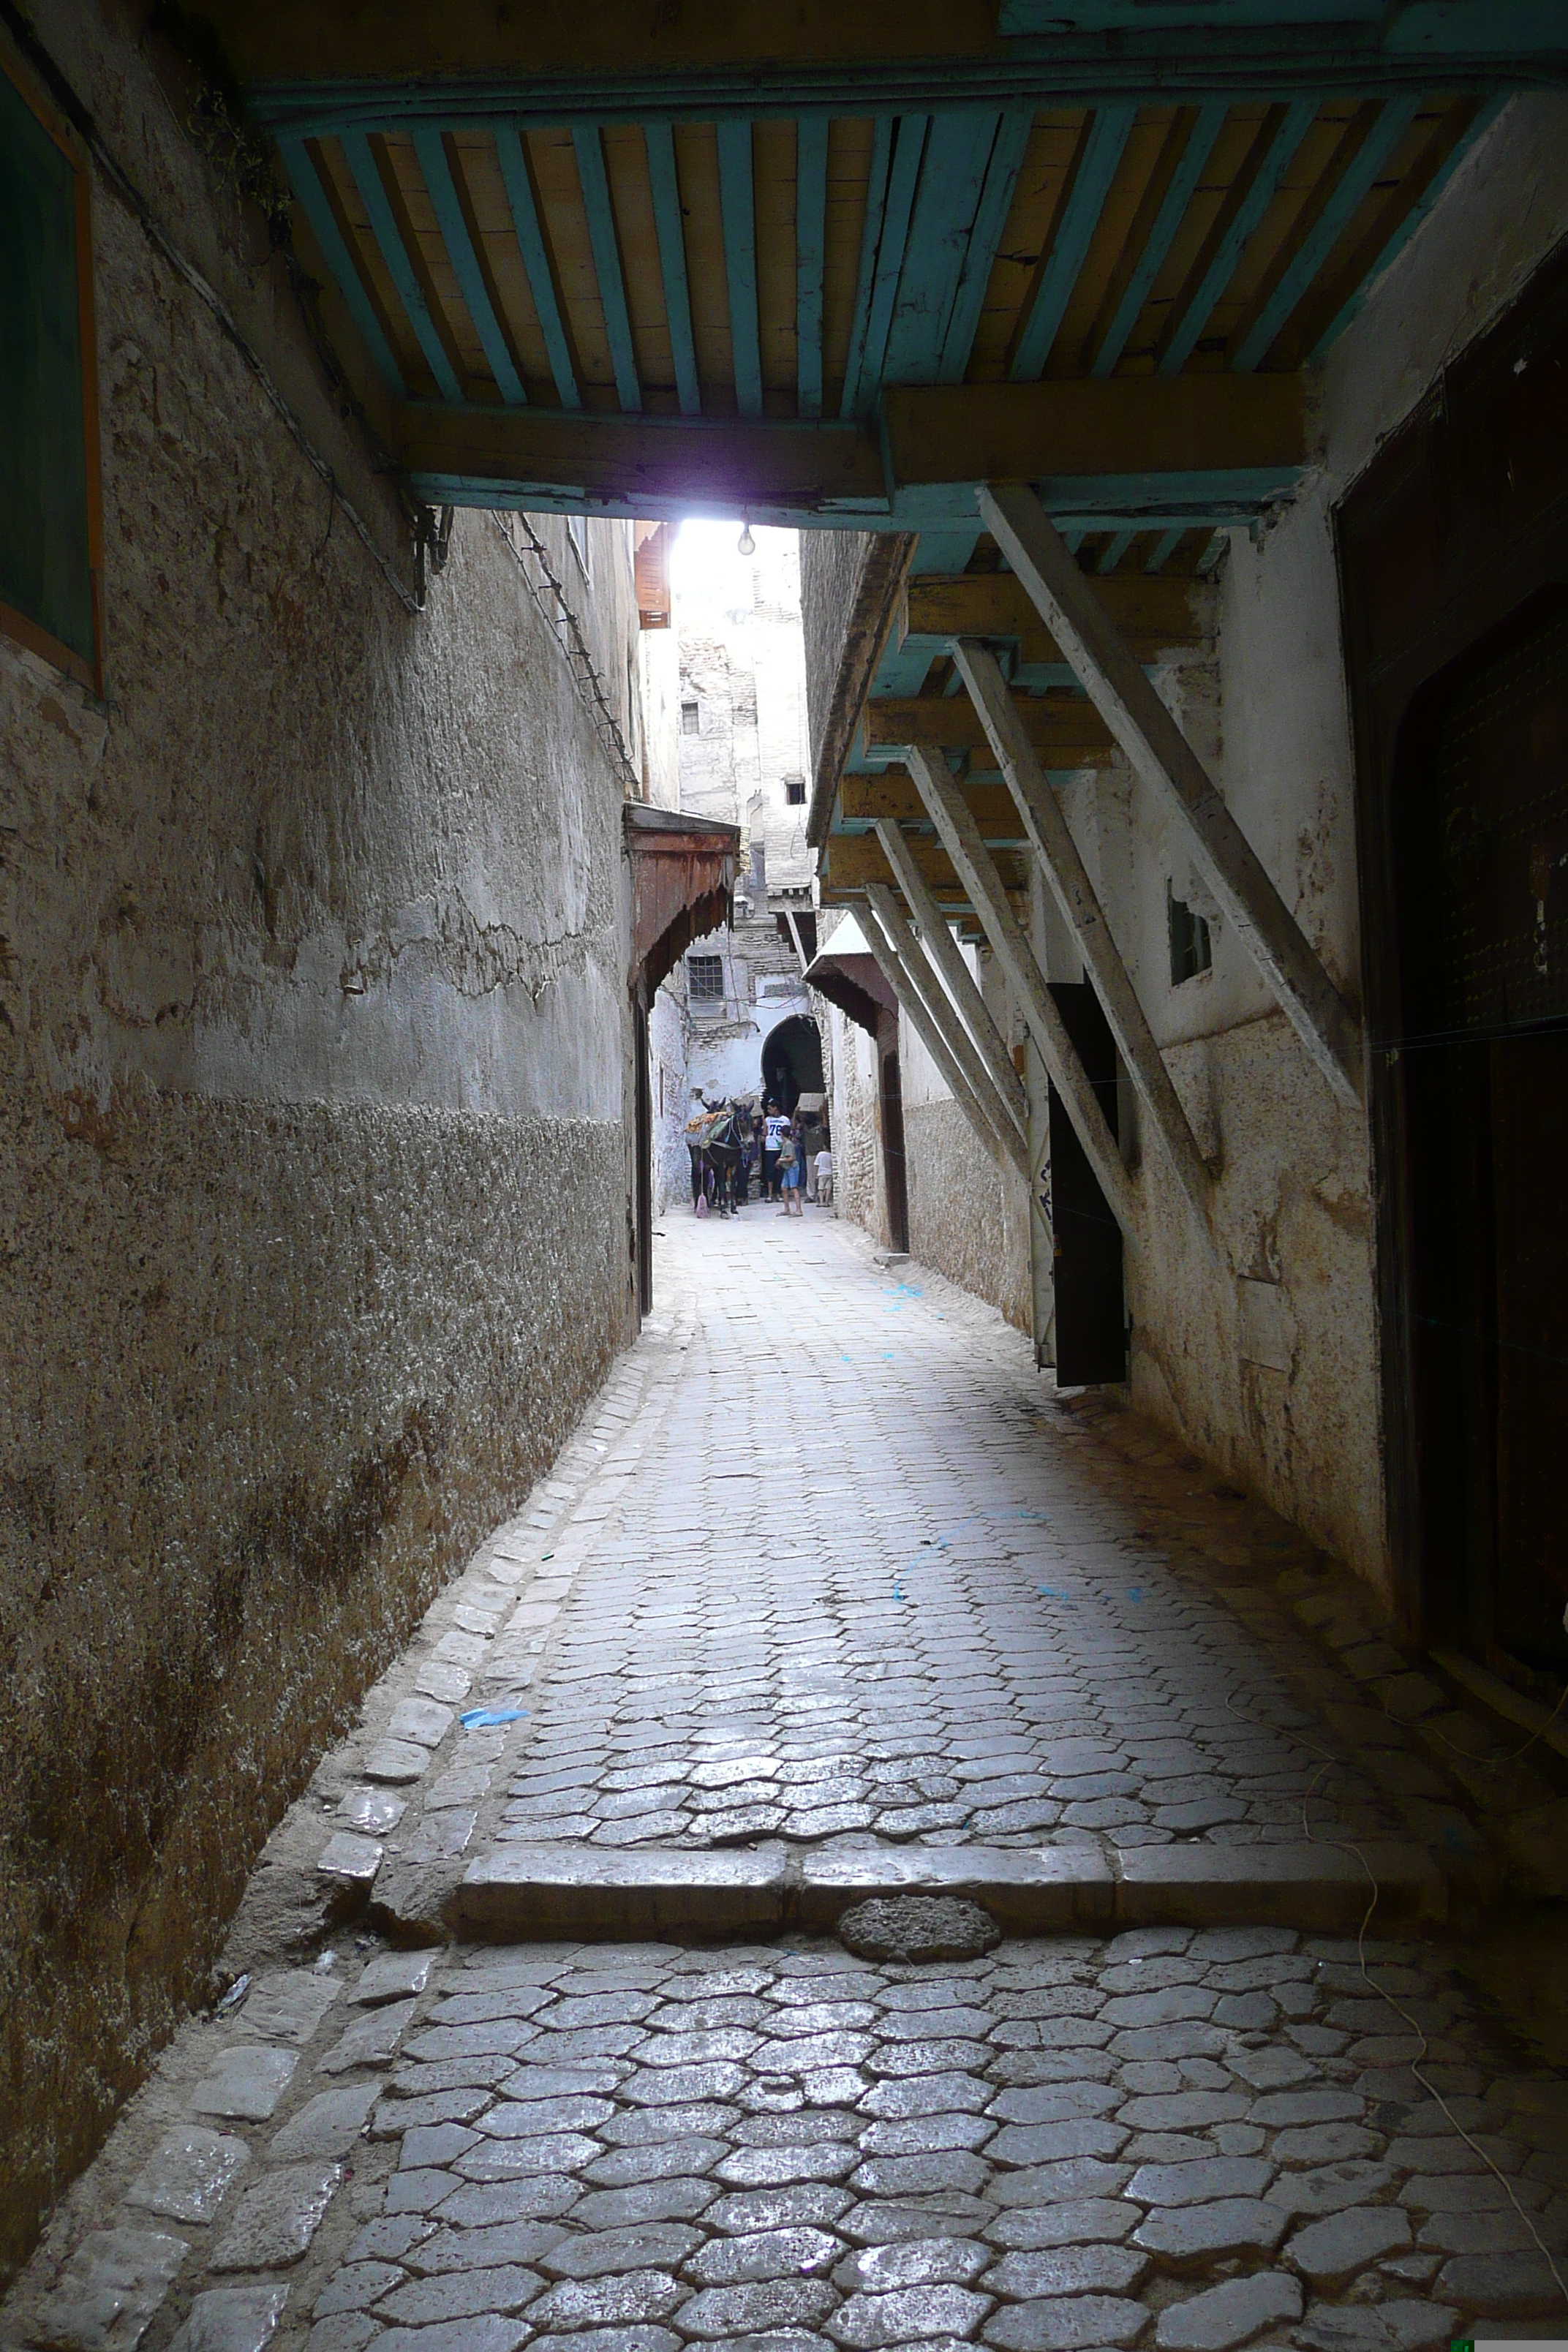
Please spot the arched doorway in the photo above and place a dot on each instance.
(791, 1061)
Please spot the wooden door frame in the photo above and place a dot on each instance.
(1482, 524)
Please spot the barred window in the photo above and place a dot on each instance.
(705, 976)
(690, 718)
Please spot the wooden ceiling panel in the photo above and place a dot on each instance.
(566, 226)
(773, 157)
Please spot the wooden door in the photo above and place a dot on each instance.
(1090, 1315)
(1490, 1154)
(893, 1164)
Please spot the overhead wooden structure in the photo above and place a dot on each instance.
(841, 261)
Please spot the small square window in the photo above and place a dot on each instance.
(795, 791)
(705, 978)
(690, 718)
(1191, 950)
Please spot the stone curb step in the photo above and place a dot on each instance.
(520, 1892)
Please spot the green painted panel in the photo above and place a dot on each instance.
(45, 568)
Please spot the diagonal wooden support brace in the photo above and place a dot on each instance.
(977, 870)
(942, 949)
(994, 1131)
(1124, 698)
(1068, 878)
(943, 1018)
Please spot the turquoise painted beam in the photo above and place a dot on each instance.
(395, 253)
(810, 248)
(952, 183)
(1295, 121)
(1164, 547)
(588, 143)
(1353, 184)
(312, 201)
(519, 196)
(1115, 548)
(737, 205)
(1486, 116)
(903, 180)
(665, 183)
(430, 149)
(865, 277)
(1096, 166)
(1173, 210)
(1006, 160)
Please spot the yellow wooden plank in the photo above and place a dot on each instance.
(1151, 611)
(631, 198)
(848, 170)
(415, 215)
(863, 798)
(565, 227)
(1017, 432)
(849, 860)
(1065, 729)
(1037, 197)
(773, 175)
(1110, 239)
(479, 178)
(353, 221)
(1314, 160)
(643, 466)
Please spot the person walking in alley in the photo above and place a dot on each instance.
(824, 1172)
(791, 1170)
(774, 1124)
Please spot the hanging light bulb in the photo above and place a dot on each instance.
(745, 544)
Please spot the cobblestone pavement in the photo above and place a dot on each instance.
(829, 1564)
(1180, 2139)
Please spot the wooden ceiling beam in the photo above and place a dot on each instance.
(851, 860)
(1064, 730)
(1151, 612)
(890, 792)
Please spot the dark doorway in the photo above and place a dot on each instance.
(643, 1178)
(1453, 551)
(1481, 844)
(792, 1062)
(891, 1094)
(1092, 1319)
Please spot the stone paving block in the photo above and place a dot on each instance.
(1199, 2182)
(1229, 2313)
(189, 2173)
(288, 2007)
(1070, 2270)
(603, 2303)
(912, 2262)
(231, 2319)
(467, 2294)
(372, 1811)
(544, 1891)
(274, 2222)
(873, 2323)
(489, 2333)
(326, 2125)
(1230, 2225)
(349, 1858)
(245, 2081)
(1506, 2285)
(1399, 2326)
(1069, 2221)
(1066, 2324)
(755, 2306)
(397, 1761)
(112, 2287)
(393, 1976)
(370, 2041)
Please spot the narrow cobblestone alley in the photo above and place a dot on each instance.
(536, 2033)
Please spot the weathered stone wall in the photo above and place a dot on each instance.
(968, 1217)
(313, 1176)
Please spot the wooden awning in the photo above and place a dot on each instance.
(683, 875)
(849, 976)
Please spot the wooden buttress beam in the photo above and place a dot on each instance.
(944, 1015)
(994, 1131)
(977, 871)
(1126, 701)
(1074, 894)
(943, 952)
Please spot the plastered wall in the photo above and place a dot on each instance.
(313, 1174)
